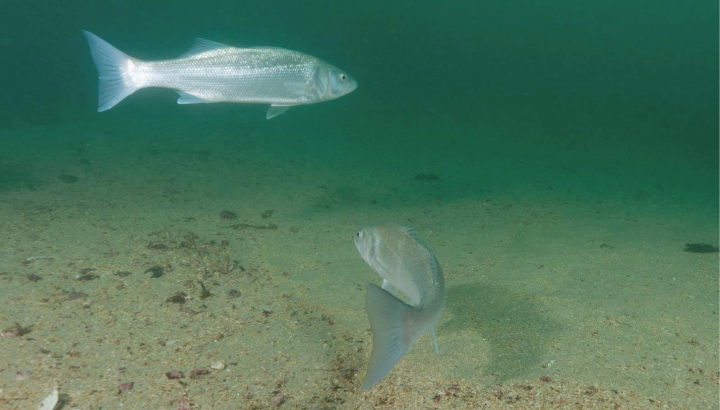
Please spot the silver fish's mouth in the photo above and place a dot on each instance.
(353, 85)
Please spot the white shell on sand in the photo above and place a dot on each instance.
(50, 401)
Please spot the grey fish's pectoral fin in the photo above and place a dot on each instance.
(276, 110)
(391, 338)
(186, 98)
(202, 45)
(387, 286)
(437, 350)
(390, 288)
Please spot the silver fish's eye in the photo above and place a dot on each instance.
(343, 77)
(357, 234)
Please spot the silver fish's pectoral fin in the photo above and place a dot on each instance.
(276, 110)
(391, 336)
(437, 350)
(186, 98)
(202, 45)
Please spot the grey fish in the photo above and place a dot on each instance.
(407, 265)
(214, 72)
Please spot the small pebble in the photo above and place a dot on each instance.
(184, 404)
(174, 374)
(228, 215)
(68, 179)
(15, 331)
(277, 400)
(157, 271)
(179, 297)
(219, 365)
(700, 248)
(194, 373)
(125, 387)
(122, 274)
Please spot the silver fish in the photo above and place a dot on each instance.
(407, 265)
(214, 72)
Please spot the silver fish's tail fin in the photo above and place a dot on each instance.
(391, 337)
(115, 70)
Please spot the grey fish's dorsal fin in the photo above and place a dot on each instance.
(201, 45)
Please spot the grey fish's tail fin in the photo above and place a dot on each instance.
(114, 67)
(391, 337)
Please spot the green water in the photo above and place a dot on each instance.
(556, 156)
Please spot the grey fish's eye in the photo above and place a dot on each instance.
(357, 234)
(343, 77)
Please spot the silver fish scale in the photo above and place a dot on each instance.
(250, 75)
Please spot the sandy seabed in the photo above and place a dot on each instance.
(143, 269)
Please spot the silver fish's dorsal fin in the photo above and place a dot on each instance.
(201, 45)
(410, 231)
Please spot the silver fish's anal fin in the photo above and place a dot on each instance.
(391, 338)
(276, 110)
(437, 350)
(186, 98)
(202, 45)
(115, 72)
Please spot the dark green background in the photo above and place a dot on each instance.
(544, 62)
(641, 74)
